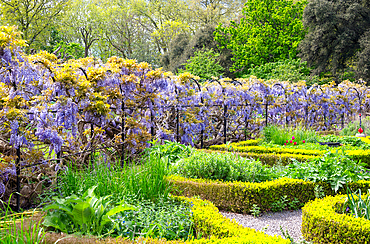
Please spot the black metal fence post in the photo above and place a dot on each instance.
(91, 146)
(123, 133)
(152, 124)
(18, 165)
(225, 124)
(266, 111)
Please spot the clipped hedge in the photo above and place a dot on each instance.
(322, 224)
(210, 226)
(240, 196)
(270, 158)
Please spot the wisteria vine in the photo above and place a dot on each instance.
(49, 108)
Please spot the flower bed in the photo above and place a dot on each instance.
(322, 224)
(241, 196)
(271, 154)
(209, 226)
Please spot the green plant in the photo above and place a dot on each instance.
(359, 208)
(280, 205)
(204, 64)
(321, 216)
(167, 218)
(334, 168)
(279, 135)
(14, 227)
(223, 166)
(170, 151)
(145, 180)
(319, 191)
(87, 215)
(256, 210)
(352, 127)
(292, 70)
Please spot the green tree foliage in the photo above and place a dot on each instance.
(32, 17)
(269, 31)
(183, 47)
(204, 64)
(292, 70)
(338, 37)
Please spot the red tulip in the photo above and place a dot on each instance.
(291, 141)
(286, 141)
(284, 144)
(360, 130)
(293, 137)
(295, 143)
(304, 141)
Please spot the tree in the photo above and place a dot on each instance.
(83, 23)
(213, 12)
(269, 31)
(31, 16)
(183, 47)
(338, 37)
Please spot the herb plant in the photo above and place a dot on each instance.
(87, 215)
(335, 168)
(223, 166)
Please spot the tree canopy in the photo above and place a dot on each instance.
(338, 37)
(270, 30)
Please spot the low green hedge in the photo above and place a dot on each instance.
(286, 153)
(241, 196)
(271, 158)
(210, 227)
(322, 224)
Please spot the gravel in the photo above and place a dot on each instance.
(270, 222)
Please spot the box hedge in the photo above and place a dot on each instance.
(241, 196)
(210, 227)
(321, 223)
(271, 158)
(271, 155)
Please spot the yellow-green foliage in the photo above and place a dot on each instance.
(240, 196)
(271, 158)
(209, 225)
(271, 155)
(322, 224)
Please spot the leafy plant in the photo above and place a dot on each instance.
(319, 191)
(335, 168)
(279, 135)
(204, 64)
(284, 203)
(256, 210)
(14, 228)
(169, 151)
(292, 70)
(352, 127)
(166, 218)
(223, 166)
(357, 206)
(87, 215)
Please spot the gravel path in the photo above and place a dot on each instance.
(270, 222)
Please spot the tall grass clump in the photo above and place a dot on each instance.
(15, 228)
(279, 135)
(145, 180)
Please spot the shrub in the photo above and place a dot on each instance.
(223, 166)
(334, 168)
(242, 196)
(322, 223)
(279, 135)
